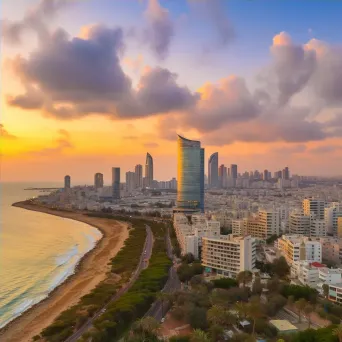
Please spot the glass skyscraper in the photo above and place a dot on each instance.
(213, 180)
(116, 182)
(149, 170)
(190, 189)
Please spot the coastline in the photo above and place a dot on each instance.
(88, 273)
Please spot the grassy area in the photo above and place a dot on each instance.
(123, 264)
(135, 303)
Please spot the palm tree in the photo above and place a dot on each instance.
(300, 305)
(199, 335)
(307, 310)
(244, 277)
(146, 326)
(338, 332)
(242, 309)
(254, 312)
(215, 315)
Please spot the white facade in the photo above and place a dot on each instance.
(270, 221)
(237, 227)
(314, 206)
(229, 254)
(317, 228)
(298, 247)
(299, 223)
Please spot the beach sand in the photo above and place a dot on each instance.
(91, 270)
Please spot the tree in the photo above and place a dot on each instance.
(225, 283)
(197, 318)
(308, 309)
(290, 300)
(254, 312)
(300, 305)
(184, 272)
(280, 267)
(146, 326)
(199, 336)
(188, 258)
(273, 284)
(325, 289)
(242, 309)
(244, 277)
(218, 315)
(216, 332)
(257, 286)
(338, 332)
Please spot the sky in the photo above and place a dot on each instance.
(89, 85)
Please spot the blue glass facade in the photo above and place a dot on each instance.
(213, 179)
(190, 189)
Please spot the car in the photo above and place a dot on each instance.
(162, 320)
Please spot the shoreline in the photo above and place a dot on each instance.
(87, 274)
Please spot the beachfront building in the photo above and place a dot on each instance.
(228, 255)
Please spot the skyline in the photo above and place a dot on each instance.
(261, 100)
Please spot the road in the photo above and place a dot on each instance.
(143, 263)
(158, 309)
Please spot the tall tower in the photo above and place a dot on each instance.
(213, 171)
(190, 189)
(116, 182)
(98, 180)
(67, 182)
(149, 170)
(138, 176)
(233, 171)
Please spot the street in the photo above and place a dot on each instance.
(143, 263)
(158, 309)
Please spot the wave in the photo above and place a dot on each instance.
(65, 258)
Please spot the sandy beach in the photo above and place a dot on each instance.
(91, 270)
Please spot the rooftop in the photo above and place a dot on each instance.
(283, 325)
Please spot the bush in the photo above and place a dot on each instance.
(225, 283)
(298, 292)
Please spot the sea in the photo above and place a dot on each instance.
(37, 251)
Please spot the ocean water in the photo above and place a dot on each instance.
(37, 251)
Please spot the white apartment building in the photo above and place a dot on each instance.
(332, 249)
(238, 227)
(335, 293)
(317, 227)
(299, 224)
(331, 215)
(269, 221)
(314, 206)
(298, 247)
(229, 254)
(190, 234)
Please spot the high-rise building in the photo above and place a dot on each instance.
(233, 171)
(213, 171)
(190, 188)
(265, 176)
(149, 170)
(138, 176)
(299, 224)
(285, 173)
(130, 181)
(98, 180)
(116, 182)
(67, 182)
(314, 206)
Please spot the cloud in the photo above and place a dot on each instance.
(291, 149)
(325, 149)
(160, 28)
(151, 145)
(70, 78)
(60, 145)
(36, 19)
(4, 134)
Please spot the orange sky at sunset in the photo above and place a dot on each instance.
(267, 120)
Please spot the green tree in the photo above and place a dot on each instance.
(325, 289)
(218, 315)
(242, 309)
(188, 258)
(257, 286)
(244, 278)
(254, 312)
(300, 304)
(338, 332)
(280, 267)
(199, 335)
(147, 326)
(216, 332)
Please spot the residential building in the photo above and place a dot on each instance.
(317, 227)
(299, 224)
(229, 254)
(238, 227)
(234, 171)
(130, 181)
(190, 191)
(67, 182)
(298, 247)
(149, 170)
(314, 206)
(213, 180)
(98, 180)
(335, 293)
(331, 249)
(116, 182)
(138, 176)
